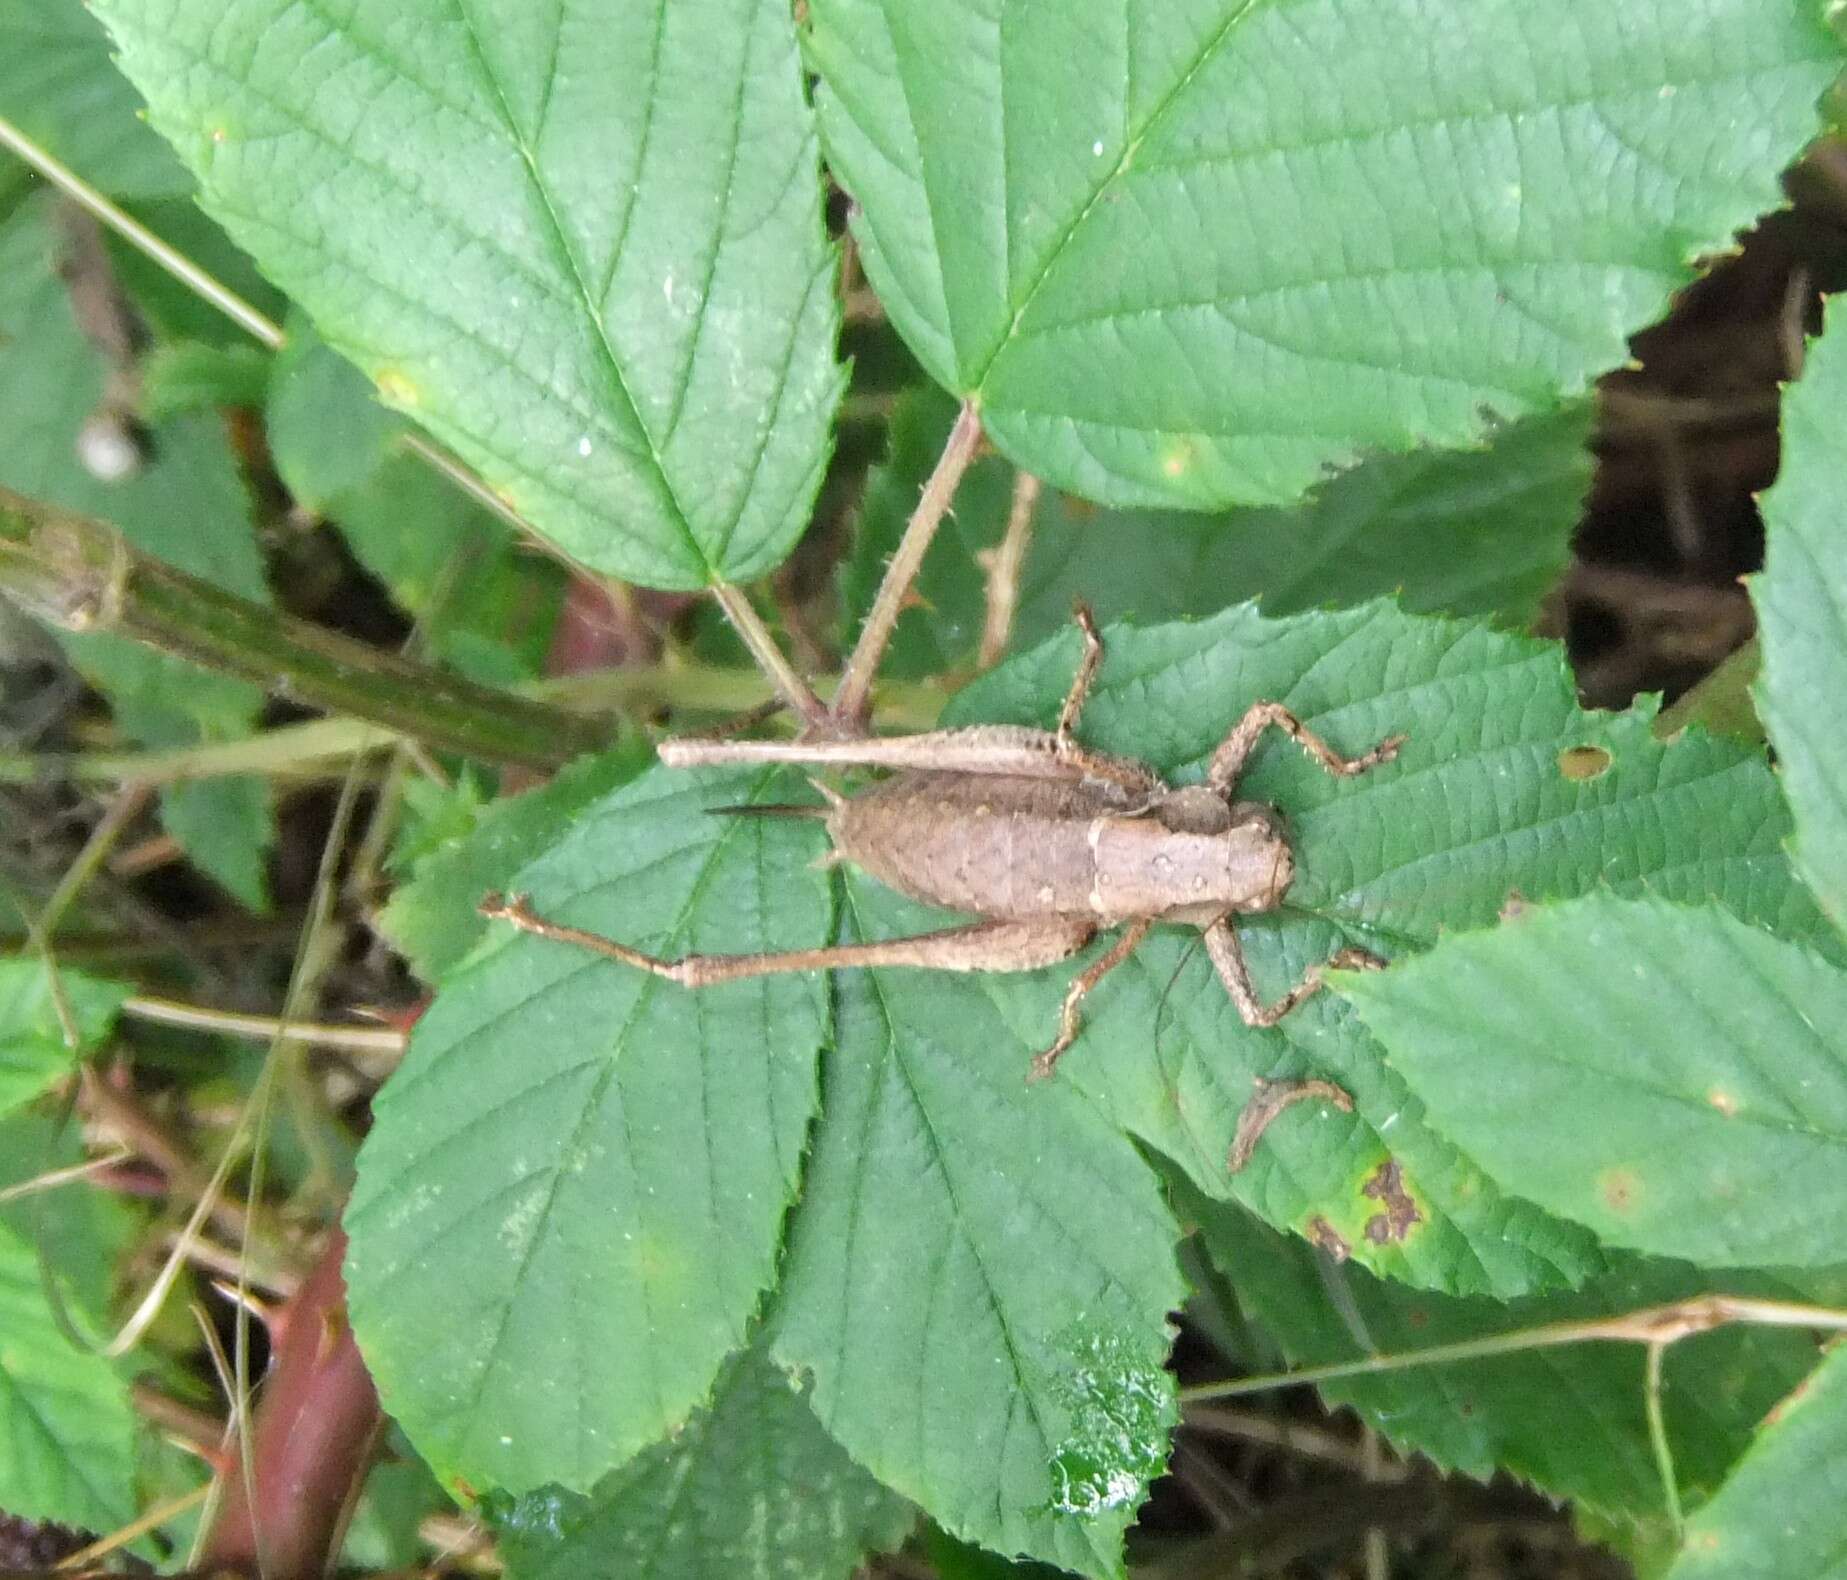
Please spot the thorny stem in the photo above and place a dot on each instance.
(1653, 1325)
(748, 624)
(1004, 565)
(321, 748)
(852, 701)
(84, 576)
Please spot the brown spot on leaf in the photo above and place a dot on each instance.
(1514, 907)
(1324, 1234)
(1620, 1188)
(1584, 762)
(1386, 1186)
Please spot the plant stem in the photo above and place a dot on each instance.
(1004, 564)
(257, 325)
(84, 576)
(1652, 1325)
(795, 691)
(852, 701)
(265, 1028)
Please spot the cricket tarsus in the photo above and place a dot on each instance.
(1047, 842)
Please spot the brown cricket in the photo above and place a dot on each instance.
(1045, 840)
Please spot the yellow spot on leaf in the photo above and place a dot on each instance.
(1178, 459)
(1723, 1100)
(396, 389)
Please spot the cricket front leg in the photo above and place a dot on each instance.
(979, 946)
(1234, 751)
(1227, 956)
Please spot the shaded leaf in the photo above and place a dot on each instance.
(1570, 1419)
(584, 1169)
(979, 1273)
(751, 1488)
(66, 1426)
(431, 918)
(1473, 532)
(1780, 1513)
(1479, 804)
(1703, 1049)
(582, 247)
(326, 432)
(1194, 254)
(1801, 601)
(187, 376)
(33, 1053)
(186, 505)
(60, 88)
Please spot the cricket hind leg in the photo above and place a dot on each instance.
(1227, 956)
(1228, 762)
(1069, 1021)
(979, 946)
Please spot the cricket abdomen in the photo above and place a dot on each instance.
(992, 844)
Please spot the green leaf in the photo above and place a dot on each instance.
(751, 1489)
(572, 1197)
(1780, 1514)
(1571, 1419)
(33, 1052)
(326, 432)
(66, 1425)
(1669, 1077)
(432, 920)
(185, 376)
(1474, 532)
(186, 504)
(979, 1273)
(1801, 603)
(582, 246)
(226, 826)
(1487, 798)
(59, 87)
(1196, 253)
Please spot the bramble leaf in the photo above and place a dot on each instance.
(431, 917)
(572, 1197)
(66, 1425)
(582, 247)
(1669, 1076)
(751, 1488)
(979, 1272)
(1194, 254)
(33, 1052)
(1571, 1419)
(1801, 600)
(1780, 1513)
(1490, 796)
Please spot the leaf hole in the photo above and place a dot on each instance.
(1584, 762)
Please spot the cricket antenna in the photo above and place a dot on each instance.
(1160, 1008)
(769, 809)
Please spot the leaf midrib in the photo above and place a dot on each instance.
(1131, 146)
(573, 271)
